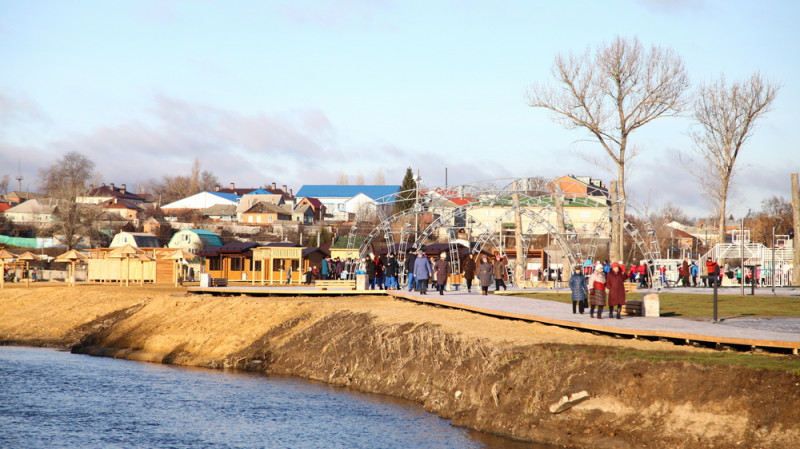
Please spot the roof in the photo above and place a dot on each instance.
(347, 191)
(283, 245)
(207, 237)
(4, 207)
(314, 202)
(203, 200)
(220, 210)
(262, 208)
(236, 191)
(306, 251)
(114, 192)
(303, 209)
(142, 239)
(243, 248)
(34, 206)
(119, 203)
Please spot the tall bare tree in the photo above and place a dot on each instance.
(611, 93)
(174, 187)
(726, 116)
(380, 179)
(64, 182)
(341, 179)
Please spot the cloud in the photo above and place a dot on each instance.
(18, 108)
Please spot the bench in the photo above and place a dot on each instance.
(218, 282)
(349, 284)
(631, 287)
(632, 307)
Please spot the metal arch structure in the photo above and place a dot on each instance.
(451, 206)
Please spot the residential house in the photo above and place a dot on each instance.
(221, 212)
(125, 209)
(135, 239)
(263, 213)
(254, 197)
(232, 261)
(342, 202)
(105, 193)
(158, 227)
(287, 194)
(194, 240)
(303, 214)
(200, 201)
(35, 211)
(17, 197)
(316, 206)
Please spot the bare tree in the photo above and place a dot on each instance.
(341, 179)
(4, 181)
(610, 94)
(64, 182)
(172, 188)
(379, 178)
(360, 178)
(726, 116)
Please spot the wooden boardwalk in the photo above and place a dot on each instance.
(677, 330)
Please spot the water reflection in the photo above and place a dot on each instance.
(57, 399)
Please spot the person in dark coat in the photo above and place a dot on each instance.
(615, 283)
(597, 291)
(422, 272)
(390, 273)
(410, 259)
(686, 272)
(469, 271)
(442, 269)
(500, 272)
(577, 284)
(485, 274)
(369, 267)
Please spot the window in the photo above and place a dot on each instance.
(258, 219)
(257, 265)
(269, 219)
(185, 237)
(213, 264)
(236, 264)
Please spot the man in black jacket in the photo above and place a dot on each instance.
(411, 257)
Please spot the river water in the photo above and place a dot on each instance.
(54, 399)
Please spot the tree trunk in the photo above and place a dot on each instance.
(621, 198)
(796, 226)
(519, 271)
(721, 226)
(613, 253)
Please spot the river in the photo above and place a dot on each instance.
(54, 399)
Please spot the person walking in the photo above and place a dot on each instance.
(469, 271)
(324, 268)
(442, 269)
(485, 274)
(577, 284)
(693, 270)
(288, 272)
(597, 291)
(615, 283)
(422, 271)
(685, 270)
(410, 259)
(500, 272)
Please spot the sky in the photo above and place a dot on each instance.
(299, 92)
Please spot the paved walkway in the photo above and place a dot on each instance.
(782, 332)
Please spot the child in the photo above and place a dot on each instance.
(577, 283)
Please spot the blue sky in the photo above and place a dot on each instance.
(296, 92)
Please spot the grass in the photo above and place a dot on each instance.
(743, 359)
(698, 305)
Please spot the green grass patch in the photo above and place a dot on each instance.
(752, 361)
(699, 305)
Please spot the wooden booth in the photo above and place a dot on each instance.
(139, 265)
(233, 261)
(272, 261)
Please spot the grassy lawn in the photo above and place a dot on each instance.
(789, 364)
(695, 305)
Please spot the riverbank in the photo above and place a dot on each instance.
(492, 375)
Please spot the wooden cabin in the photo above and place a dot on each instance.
(232, 261)
(273, 260)
(104, 268)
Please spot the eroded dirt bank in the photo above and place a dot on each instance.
(483, 373)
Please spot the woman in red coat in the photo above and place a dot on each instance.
(615, 283)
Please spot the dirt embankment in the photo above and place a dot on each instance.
(483, 373)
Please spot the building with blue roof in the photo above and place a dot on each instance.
(343, 202)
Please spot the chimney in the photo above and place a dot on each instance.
(123, 188)
(233, 186)
(274, 186)
(284, 188)
(111, 185)
(103, 185)
(291, 193)
(216, 188)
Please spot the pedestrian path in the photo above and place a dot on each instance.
(739, 335)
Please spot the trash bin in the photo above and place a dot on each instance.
(361, 282)
(205, 279)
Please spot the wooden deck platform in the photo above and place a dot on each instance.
(303, 290)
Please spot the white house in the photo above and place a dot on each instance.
(32, 211)
(343, 201)
(194, 240)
